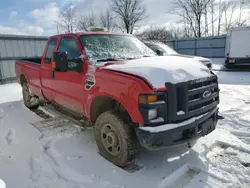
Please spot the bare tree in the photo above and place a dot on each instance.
(130, 12)
(228, 7)
(159, 33)
(241, 21)
(67, 22)
(220, 17)
(107, 20)
(87, 20)
(206, 33)
(211, 17)
(233, 11)
(177, 31)
(192, 12)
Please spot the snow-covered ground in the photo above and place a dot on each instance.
(39, 153)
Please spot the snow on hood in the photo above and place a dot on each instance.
(161, 69)
(203, 60)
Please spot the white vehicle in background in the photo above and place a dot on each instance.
(238, 47)
(2, 184)
(166, 50)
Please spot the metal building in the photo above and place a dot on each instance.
(210, 47)
(13, 47)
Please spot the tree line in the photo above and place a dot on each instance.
(194, 18)
(200, 18)
(122, 15)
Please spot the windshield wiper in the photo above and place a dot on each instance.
(121, 59)
(108, 59)
(147, 56)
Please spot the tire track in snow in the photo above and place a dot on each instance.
(50, 169)
(231, 162)
(10, 136)
(235, 110)
(45, 171)
(244, 136)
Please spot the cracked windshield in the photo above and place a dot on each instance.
(114, 47)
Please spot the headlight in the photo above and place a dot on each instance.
(152, 114)
(231, 60)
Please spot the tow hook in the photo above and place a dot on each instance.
(220, 117)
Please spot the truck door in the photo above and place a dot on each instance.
(46, 69)
(69, 86)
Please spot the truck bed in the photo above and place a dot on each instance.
(33, 60)
(30, 67)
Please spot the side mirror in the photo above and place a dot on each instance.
(159, 52)
(60, 61)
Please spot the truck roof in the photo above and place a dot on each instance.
(240, 28)
(89, 33)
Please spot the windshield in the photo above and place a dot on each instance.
(165, 48)
(114, 47)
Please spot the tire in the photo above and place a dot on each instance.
(110, 131)
(27, 97)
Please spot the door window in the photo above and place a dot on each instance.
(50, 50)
(69, 45)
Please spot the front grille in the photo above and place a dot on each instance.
(189, 99)
(201, 83)
(202, 94)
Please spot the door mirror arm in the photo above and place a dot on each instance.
(159, 52)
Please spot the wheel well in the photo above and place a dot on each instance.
(102, 104)
(22, 80)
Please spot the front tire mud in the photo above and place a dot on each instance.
(116, 141)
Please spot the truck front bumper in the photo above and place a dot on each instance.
(154, 138)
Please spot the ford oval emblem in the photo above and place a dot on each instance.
(207, 94)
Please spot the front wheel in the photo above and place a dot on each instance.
(29, 101)
(115, 139)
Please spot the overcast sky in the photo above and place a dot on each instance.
(36, 17)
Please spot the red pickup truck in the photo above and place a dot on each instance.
(128, 93)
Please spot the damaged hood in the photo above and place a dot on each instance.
(203, 60)
(161, 69)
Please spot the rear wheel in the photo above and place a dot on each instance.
(115, 139)
(29, 100)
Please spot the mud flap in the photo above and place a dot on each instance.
(220, 117)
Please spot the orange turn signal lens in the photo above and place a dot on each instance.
(145, 99)
(152, 98)
(53, 65)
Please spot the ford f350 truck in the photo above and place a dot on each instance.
(129, 95)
